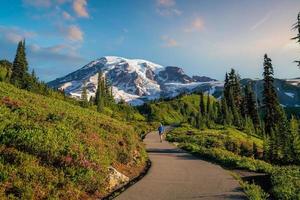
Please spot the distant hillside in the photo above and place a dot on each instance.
(50, 149)
(174, 111)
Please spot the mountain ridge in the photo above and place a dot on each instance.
(137, 81)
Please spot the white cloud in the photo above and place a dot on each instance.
(38, 3)
(80, 9)
(196, 25)
(168, 41)
(74, 33)
(167, 8)
(15, 34)
(67, 16)
(166, 3)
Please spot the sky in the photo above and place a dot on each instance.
(204, 37)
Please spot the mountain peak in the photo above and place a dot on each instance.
(133, 80)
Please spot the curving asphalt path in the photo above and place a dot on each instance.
(175, 174)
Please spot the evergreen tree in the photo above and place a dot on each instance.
(99, 99)
(208, 106)
(233, 85)
(294, 141)
(20, 67)
(202, 105)
(272, 113)
(234, 109)
(84, 96)
(251, 107)
(226, 87)
(296, 27)
(209, 112)
(274, 116)
(227, 118)
(201, 117)
(233, 96)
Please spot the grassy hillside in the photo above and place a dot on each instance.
(174, 111)
(51, 149)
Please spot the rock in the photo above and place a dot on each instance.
(116, 179)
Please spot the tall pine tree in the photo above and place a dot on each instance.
(296, 27)
(84, 95)
(275, 120)
(251, 107)
(270, 101)
(201, 104)
(233, 96)
(20, 67)
(99, 99)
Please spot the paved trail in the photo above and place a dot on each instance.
(175, 174)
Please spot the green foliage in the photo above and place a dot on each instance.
(51, 149)
(5, 70)
(228, 147)
(179, 110)
(286, 183)
(254, 192)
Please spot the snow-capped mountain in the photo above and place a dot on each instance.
(137, 81)
(134, 80)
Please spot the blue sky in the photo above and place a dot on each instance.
(204, 37)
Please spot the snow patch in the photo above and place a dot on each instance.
(292, 95)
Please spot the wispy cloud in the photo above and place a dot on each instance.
(44, 3)
(43, 58)
(166, 3)
(196, 25)
(80, 8)
(15, 34)
(38, 3)
(167, 8)
(169, 42)
(261, 21)
(73, 33)
(67, 16)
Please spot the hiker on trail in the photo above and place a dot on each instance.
(161, 132)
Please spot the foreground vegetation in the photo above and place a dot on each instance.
(56, 150)
(236, 150)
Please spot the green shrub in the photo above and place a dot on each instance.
(286, 183)
(254, 192)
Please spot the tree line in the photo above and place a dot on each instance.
(239, 108)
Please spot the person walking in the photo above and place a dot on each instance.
(161, 132)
